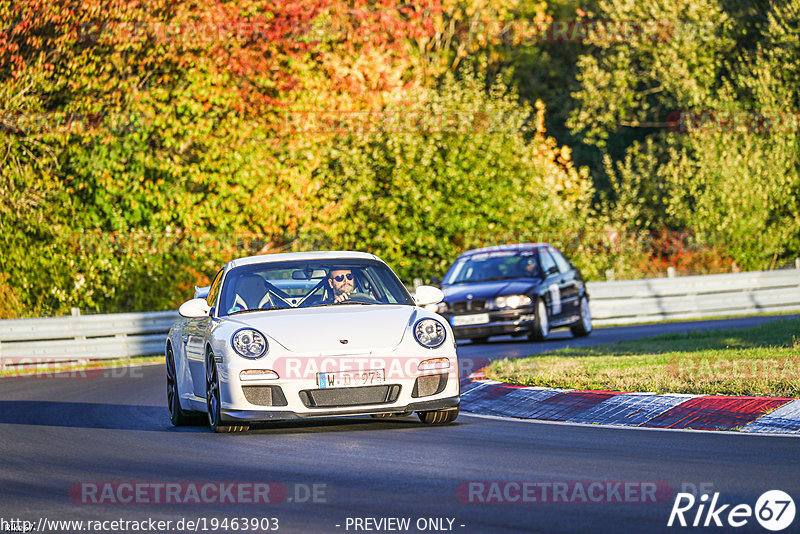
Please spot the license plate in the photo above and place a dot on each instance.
(464, 320)
(349, 379)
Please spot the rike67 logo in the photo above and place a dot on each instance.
(774, 510)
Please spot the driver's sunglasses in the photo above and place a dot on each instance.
(340, 277)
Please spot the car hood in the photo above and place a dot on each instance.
(321, 330)
(488, 290)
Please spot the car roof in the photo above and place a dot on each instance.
(519, 247)
(299, 256)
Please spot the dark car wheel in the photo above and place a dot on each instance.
(584, 325)
(213, 399)
(438, 417)
(177, 415)
(541, 326)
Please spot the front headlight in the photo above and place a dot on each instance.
(512, 301)
(441, 307)
(249, 343)
(429, 333)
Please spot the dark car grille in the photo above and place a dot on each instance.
(468, 305)
(342, 397)
(429, 385)
(264, 395)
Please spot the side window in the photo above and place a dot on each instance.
(563, 265)
(214, 291)
(546, 260)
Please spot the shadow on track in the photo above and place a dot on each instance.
(155, 418)
(87, 415)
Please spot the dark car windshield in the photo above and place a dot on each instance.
(300, 284)
(493, 266)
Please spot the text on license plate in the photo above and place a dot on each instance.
(341, 379)
(463, 320)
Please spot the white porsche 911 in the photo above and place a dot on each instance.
(310, 334)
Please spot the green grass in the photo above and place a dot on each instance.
(764, 360)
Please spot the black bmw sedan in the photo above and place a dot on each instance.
(527, 289)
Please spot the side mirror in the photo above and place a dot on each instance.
(426, 295)
(194, 308)
(551, 270)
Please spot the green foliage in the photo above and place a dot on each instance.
(734, 188)
(141, 151)
(478, 171)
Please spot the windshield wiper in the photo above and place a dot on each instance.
(490, 279)
(258, 310)
(338, 303)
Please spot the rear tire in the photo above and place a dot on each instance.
(213, 402)
(584, 325)
(541, 326)
(438, 417)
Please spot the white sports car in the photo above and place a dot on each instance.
(310, 334)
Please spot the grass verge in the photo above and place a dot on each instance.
(763, 361)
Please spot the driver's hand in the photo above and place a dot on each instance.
(341, 297)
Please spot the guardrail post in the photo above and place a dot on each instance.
(797, 263)
(670, 272)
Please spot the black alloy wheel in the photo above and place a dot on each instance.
(213, 403)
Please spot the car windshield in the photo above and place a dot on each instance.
(493, 266)
(301, 284)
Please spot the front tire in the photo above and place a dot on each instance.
(177, 415)
(213, 403)
(541, 326)
(438, 417)
(390, 415)
(584, 325)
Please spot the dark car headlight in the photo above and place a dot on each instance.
(429, 333)
(512, 301)
(249, 343)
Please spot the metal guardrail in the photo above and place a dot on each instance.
(124, 335)
(692, 297)
(117, 335)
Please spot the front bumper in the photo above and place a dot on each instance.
(303, 397)
(501, 322)
(281, 415)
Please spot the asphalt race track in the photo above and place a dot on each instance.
(100, 447)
